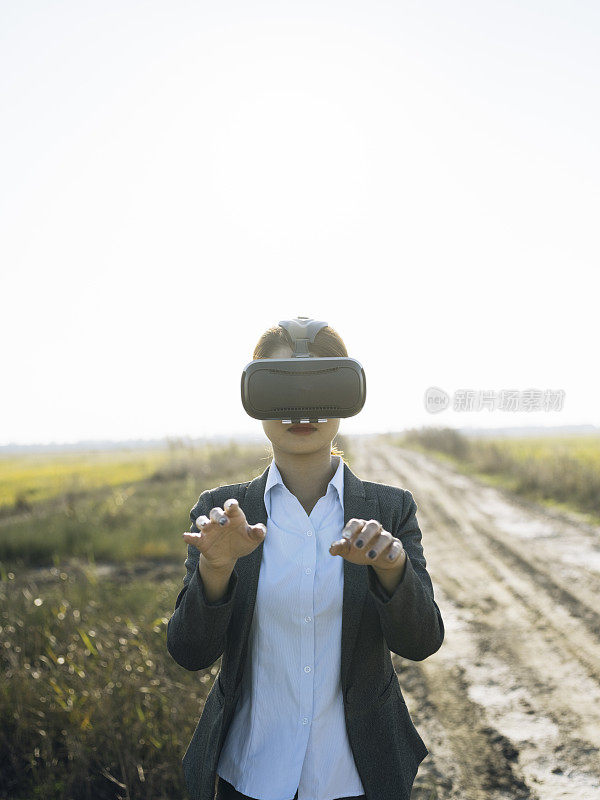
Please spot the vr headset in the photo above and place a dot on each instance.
(303, 388)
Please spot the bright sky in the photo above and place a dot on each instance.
(178, 176)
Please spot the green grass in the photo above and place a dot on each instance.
(560, 472)
(90, 690)
(142, 516)
(25, 480)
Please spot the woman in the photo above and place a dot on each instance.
(303, 580)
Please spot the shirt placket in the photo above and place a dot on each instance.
(307, 640)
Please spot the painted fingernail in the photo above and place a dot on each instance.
(222, 520)
(359, 542)
(201, 524)
(371, 554)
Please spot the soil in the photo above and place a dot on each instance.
(509, 707)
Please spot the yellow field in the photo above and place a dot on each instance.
(27, 479)
(583, 449)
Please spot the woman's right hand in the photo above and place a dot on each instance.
(222, 544)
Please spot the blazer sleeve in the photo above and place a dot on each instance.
(196, 630)
(410, 618)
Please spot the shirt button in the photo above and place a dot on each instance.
(306, 669)
(304, 720)
(307, 619)
(308, 570)
(309, 533)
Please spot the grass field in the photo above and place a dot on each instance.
(558, 471)
(25, 480)
(118, 506)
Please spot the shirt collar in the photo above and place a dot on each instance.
(274, 478)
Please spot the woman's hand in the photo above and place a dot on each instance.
(225, 535)
(359, 538)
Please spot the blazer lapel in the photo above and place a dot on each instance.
(356, 504)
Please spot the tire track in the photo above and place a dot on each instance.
(525, 575)
(510, 705)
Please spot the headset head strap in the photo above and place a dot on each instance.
(302, 330)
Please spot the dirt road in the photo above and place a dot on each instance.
(509, 707)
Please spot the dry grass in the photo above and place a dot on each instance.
(562, 471)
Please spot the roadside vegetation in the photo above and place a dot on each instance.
(559, 471)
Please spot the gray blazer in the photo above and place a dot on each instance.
(386, 746)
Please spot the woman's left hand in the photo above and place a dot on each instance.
(360, 537)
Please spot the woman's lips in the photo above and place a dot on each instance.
(303, 427)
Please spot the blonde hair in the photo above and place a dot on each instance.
(327, 342)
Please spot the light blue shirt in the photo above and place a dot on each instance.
(289, 731)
